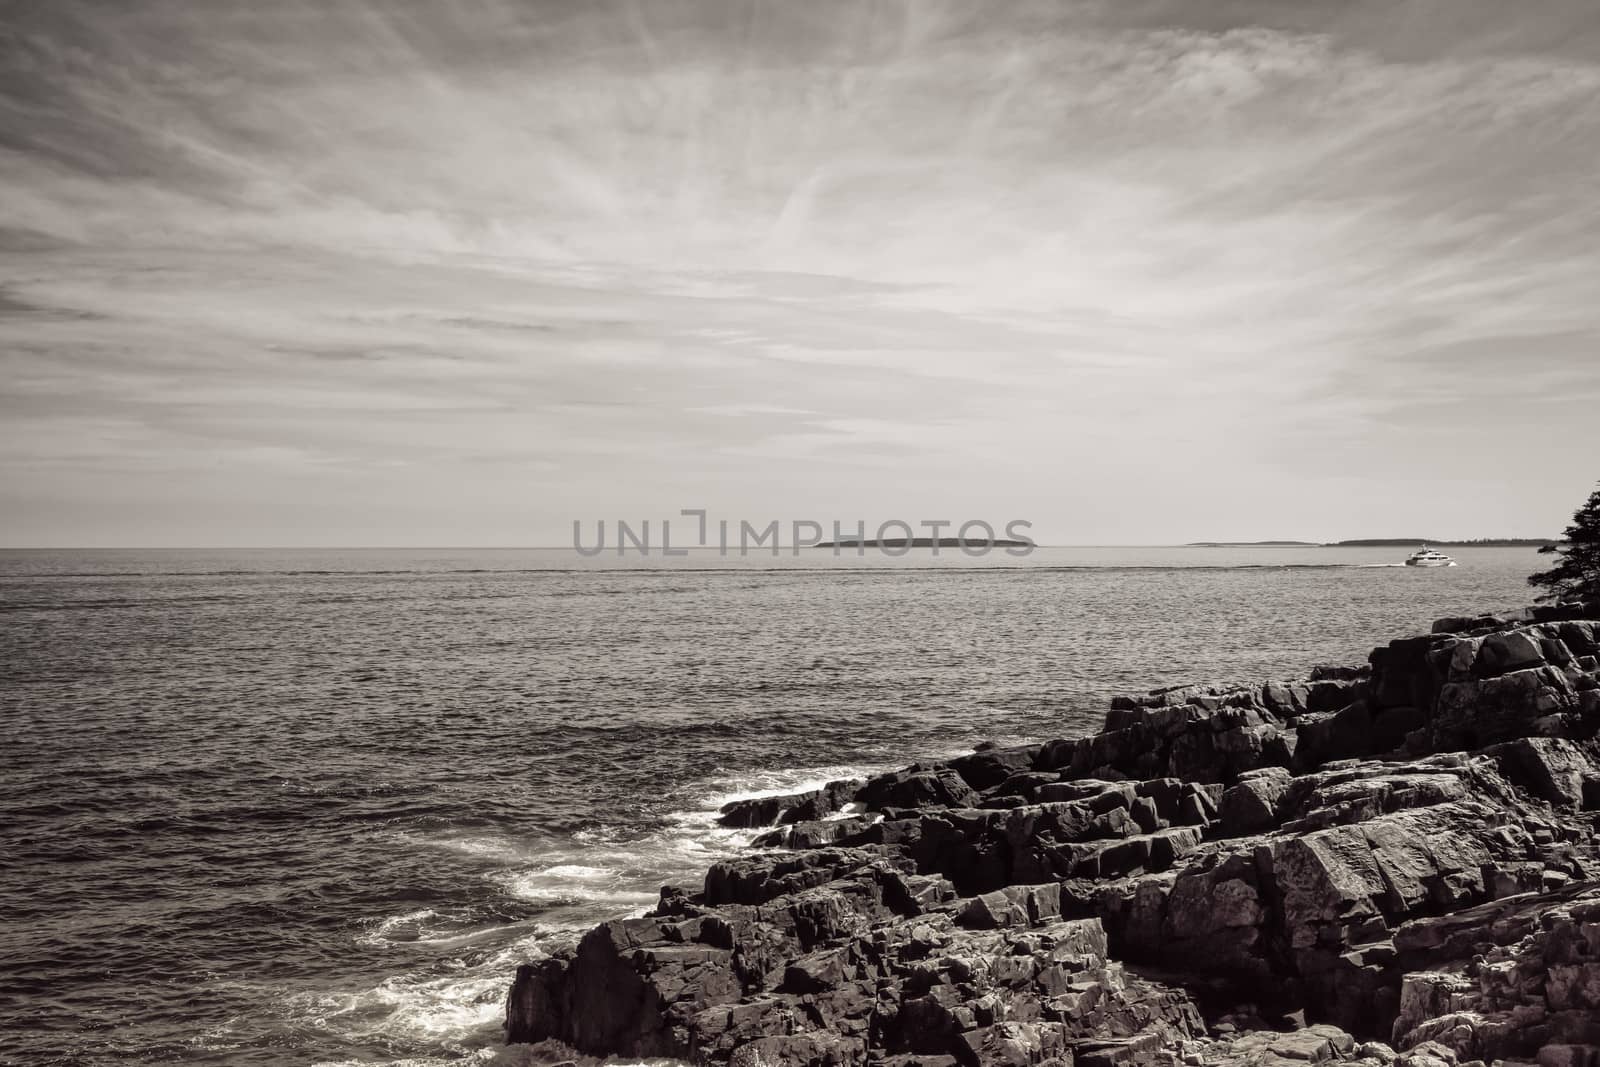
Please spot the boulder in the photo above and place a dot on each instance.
(988, 767)
(1253, 804)
(1472, 714)
(809, 804)
(1344, 734)
(1551, 768)
(938, 787)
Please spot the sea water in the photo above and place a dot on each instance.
(263, 807)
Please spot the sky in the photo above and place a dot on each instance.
(461, 272)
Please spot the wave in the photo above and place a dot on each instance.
(456, 1011)
(770, 783)
(599, 873)
(588, 898)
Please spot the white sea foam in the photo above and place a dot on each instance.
(612, 871)
(600, 873)
(460, 1010)
(849, 811)
(436, 1007)
(490, 847)
(539, 886)
(407, 927)
(779, 782)
(578, 871)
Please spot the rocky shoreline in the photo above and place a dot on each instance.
(1392, 863)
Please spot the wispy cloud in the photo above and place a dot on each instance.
(470, 270)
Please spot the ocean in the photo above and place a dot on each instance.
(314, 806)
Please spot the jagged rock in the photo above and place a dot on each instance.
(1315, 1044)
(939, 787)
(760, 811)
(1499, 980)
(990, 766)
(1243, 844)
(1017, 905)
(1471, 714)
(1344, 734)
(814, 1047)
(1551, 768)
(815, 834)
(812, 804)
(1253, 804)
(760, 878)
(1428, 1054)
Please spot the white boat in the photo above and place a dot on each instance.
(1427, 557)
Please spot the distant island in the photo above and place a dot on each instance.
(1476, 542)
(1253, 544)
(928, 542)
(1385, 542)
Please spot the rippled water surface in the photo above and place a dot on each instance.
(314, 807)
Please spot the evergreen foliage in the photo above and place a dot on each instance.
(1576, 576)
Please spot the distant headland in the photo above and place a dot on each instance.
(1385, 542)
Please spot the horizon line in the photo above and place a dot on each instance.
(654, 552)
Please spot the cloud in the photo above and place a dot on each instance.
(614, 254)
